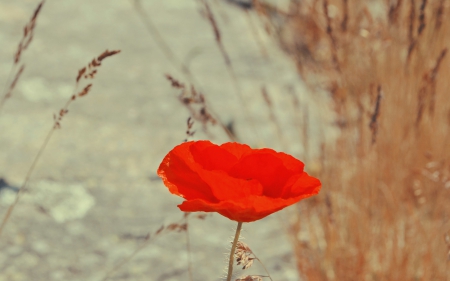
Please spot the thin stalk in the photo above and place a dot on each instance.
(233, 249)
(188, 248)
(255, 34)
(172, 58)
(265, 268)
(150, 238)
(27, 178)
(91, 70)
(7, 85)
(162, 44)
(228, 64)
(30, 171)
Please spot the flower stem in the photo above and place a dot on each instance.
(233, 249)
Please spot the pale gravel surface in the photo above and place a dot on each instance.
(96, 180)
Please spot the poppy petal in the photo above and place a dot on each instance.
(245, 210)
(237, 149)
(212, 157)
(301, 184)
(291, 163)
(306, 184)
(181, 178)
(225, 187)
(264, 166)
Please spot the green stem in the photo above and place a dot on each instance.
(233, 249)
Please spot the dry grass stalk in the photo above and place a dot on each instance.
(11, 87)
(217, 35)
(189, 132)
(243, 255)
(245, 258)
(86, 73)
(207, 12)
(247, 6)
(175, 83)
(382, 213)
(162, 44)
(301, 121)
(28, 33)
(250, 278)
(171, 57)
(180, 226)
(422, 17)
(198, 107)
(376, 112)
(394, 11)
(273, 118)
(439, 14)
(27, 37)
(330, 34)
(188, 246)
(427, 93)
(195, 102)
(257, 37)
(345, 17)
(447, 241)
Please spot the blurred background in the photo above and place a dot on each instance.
(355, 89)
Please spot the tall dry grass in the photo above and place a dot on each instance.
(384, 210)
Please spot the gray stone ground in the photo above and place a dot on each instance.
(96, 179)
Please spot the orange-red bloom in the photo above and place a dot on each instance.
(238, 182)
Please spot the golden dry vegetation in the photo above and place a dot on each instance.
(383, 213)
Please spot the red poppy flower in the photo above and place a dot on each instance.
(234, 180)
